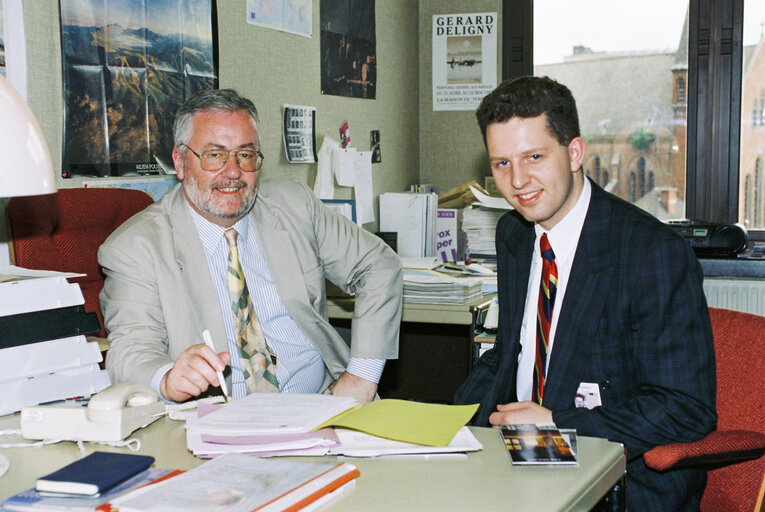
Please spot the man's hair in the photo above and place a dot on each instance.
(210, 100)
(531, 96)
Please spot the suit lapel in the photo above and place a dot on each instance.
(282, 262)
(583, 304)
(195, 275)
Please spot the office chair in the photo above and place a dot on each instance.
(733, 451)
(63, 232)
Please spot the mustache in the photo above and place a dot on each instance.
(228, 184)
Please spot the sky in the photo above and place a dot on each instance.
(621, 25)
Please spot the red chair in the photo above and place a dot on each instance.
(63, 232)
(733, 451)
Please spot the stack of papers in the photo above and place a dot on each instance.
(431, 287)
(480, 226)
(311, 425)
(52, 360)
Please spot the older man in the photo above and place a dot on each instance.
(246, 260)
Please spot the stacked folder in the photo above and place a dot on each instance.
(44, 355)
(298, 424)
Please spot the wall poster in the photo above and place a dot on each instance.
(127, 66)
(348, 48)
(464, 59)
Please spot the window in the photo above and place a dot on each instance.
(752, 135)
(709, 172)
(630, 88)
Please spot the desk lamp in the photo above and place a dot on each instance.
(26, 168)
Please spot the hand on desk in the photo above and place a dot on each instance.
(352, 385)
(517, 413)
(193, 372)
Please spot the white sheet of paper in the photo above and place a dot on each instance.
(359, 444)
(588, 395)
(323, 187)
(365, 211)
(492, 202)
(287, 413)
(344, 164)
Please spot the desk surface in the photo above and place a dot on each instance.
(485, 478)
(459, 314)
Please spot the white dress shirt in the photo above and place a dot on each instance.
(300, 368)
(563, 238)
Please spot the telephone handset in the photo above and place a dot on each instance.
(111, 415)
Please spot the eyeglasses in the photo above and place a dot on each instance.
(211, 160)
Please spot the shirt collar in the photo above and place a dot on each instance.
(564, 236)
(210, 234)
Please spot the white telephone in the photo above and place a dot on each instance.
(111, 415)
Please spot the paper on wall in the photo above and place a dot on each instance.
(363, 187)
(323, 186)
(344, 163)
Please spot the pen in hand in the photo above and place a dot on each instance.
(221, 380)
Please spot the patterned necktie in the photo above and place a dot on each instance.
(258, 368)
(547, 288)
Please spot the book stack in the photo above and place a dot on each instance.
(44, 355)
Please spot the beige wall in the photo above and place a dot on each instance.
(451, 148)
(273, 68)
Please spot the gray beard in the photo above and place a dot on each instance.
(203, 199)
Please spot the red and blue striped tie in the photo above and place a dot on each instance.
(547, 288)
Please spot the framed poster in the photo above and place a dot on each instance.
(127, 66)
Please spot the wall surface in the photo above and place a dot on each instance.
(272, 68)
(451, 147)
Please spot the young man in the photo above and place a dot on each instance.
(169, 275)
(603, 324)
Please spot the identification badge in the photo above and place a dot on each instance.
(588, 395)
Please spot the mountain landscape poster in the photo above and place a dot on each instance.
(127, 66)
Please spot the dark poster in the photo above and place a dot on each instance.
(127, 66)
(348, 48)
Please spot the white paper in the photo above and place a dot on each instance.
(499, 203)
(299, 133)
(365, 211)
(359, 444)
(324, 188)
(344, 165)
(287, 413)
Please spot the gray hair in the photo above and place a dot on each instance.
(215, 100)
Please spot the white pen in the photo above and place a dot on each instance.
(208, 341)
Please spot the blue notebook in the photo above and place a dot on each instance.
(94, 474)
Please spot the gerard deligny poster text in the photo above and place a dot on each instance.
(464, 59)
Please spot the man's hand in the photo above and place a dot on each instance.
(516, 413)
(348, 384)
(193, 372)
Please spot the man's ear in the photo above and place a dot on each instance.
(576, 150)
(178, 162)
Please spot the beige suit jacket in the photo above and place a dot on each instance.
(159, 296)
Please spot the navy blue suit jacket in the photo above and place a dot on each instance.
(634, 320)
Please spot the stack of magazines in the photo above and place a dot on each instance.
(432, 287)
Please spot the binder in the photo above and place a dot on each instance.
(51, 324)
(413, 217)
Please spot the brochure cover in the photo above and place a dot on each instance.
(537, 444)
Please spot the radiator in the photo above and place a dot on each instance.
(747, 295)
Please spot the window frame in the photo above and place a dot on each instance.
(715, 47)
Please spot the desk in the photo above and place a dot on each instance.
(485, 479)
(435, 347)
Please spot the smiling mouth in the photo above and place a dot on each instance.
(529, 196)
(229, 187)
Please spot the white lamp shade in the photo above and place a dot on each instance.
(26, 168)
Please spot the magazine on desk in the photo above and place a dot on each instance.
(541, 444)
